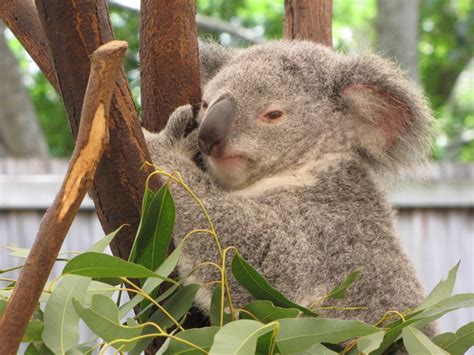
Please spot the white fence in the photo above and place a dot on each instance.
(435, 219)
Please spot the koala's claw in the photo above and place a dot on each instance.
(182, 122)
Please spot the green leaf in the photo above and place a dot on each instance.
(371, 342)
(442, 290)
(150, 284)
(103, 243)
(418, 343)
(94, 264)
(463, 300)
(148, 196)
(300, 334)
(155, 230)
(258, 287)
(318, 349)
(239, 337)
(459, 343)
(177, 306)
(339, 292)
(102, 318)
(421, 319)
(61, 323)
(33, 331)
(202, 337)
(266, 312)
(216, 307)
(37, 348)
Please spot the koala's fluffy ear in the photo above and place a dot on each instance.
(389, 113)
(212, 57)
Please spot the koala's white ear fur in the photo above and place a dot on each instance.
(390, 115)
(212, 57)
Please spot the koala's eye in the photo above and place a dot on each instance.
(204, 105)
(273, 115)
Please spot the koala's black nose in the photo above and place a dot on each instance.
(215, 127)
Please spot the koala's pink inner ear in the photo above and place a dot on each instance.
(383, 112)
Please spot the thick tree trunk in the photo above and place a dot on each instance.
(310, 20)
(169, 59)
(21, 134)
(74, 30)
(397, 32)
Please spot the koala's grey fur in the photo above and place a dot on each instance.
(304, 208)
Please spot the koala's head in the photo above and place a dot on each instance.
(277, 105)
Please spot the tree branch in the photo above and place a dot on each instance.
(310, 20)
(74, 30)
(22, 19)
(169, 59)
(91, 142)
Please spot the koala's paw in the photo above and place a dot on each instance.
(182, 122)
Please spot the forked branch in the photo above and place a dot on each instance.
(91, 142)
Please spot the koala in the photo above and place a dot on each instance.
(293, 138)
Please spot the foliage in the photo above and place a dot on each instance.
(272, 324)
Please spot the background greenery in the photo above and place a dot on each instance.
(445, 59)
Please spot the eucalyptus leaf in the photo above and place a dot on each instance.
(202, 337)
(418, 343)
(165, 269)
(102, 318)
(104, 242)
(457, 343)
(239, 337)
(442, 290)
(61, 323)
(177, 306)
(266, 312)
(94, 264)
(216, 307)
(339, 291)
(318, 349)
(33, 331)
(155, 230)
(258, 287)
(299, 334)
(147, 198)
(371, 342)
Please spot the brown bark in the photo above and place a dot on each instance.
(169, 59)
(91, 142)
(74, 30)
(309, 20)
(22, 19)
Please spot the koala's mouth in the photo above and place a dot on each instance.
(227, 162)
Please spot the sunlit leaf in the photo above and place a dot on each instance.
(239, 337)
(265, 312)
(418, 343)
(258, 287)
(202, 337)
(299, 334)
(61, 323)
